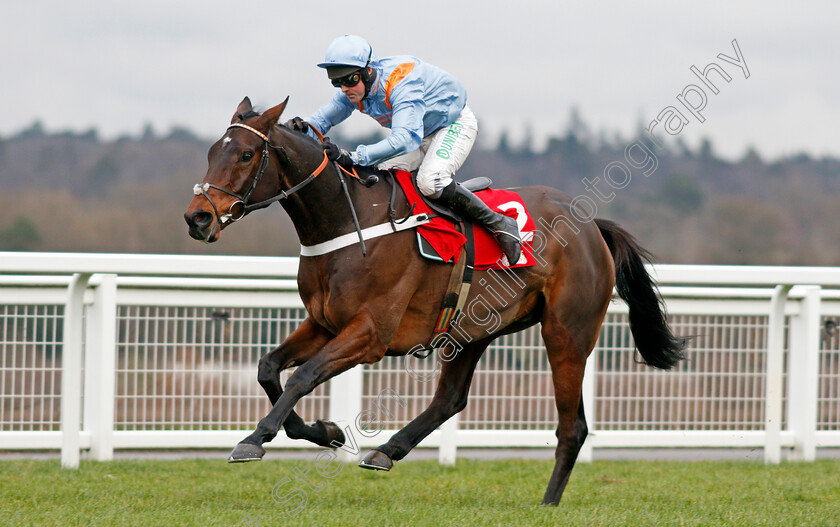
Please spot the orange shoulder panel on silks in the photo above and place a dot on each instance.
(396, 76)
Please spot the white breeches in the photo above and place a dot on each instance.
(440, 155)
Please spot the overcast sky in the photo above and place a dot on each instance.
(118, 65)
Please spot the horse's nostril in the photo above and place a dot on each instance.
(201, 219)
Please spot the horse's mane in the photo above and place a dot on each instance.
(256, 113)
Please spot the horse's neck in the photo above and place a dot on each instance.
(320, 211)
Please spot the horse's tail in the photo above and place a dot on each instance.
(655, 341)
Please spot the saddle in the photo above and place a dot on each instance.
(465, 227)
(473, 185)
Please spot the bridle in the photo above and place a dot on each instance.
(240, 207)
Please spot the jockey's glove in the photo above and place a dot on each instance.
(339, 155)
(297, 124)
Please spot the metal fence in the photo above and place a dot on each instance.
(124, 351)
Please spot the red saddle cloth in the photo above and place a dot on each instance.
(447, 241)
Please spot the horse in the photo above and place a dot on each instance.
(361, 308)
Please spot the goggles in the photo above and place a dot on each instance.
(348, 80)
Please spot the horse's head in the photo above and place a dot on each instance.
(240, 173)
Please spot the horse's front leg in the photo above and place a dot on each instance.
(357, 343)
(297, 348)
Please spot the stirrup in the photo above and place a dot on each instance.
(515, 237)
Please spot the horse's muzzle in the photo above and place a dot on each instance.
(201, 226)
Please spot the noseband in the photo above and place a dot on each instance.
(241, 204)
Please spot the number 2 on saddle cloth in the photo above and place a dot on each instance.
(447, 241)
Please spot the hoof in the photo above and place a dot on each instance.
(376, 460)
(246, 452)
(335, 437)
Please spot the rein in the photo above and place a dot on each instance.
(339, 169)
(241, 204)
(368, 181)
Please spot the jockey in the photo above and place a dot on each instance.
(431, 126)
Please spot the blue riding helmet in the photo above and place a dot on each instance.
(347, 54)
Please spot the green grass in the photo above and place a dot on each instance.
(483, 493)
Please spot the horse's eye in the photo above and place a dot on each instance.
(246, 156)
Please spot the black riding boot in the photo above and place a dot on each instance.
(504, 228)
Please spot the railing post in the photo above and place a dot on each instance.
(71, 371)
(774, 374)
(803, 365)
(448, 451)
(100, 357)
(346, 405)
(588, 397)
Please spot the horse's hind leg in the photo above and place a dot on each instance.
(567, 364)
(450, 398)
(298, 347)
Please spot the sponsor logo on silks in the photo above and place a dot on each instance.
(449, 139)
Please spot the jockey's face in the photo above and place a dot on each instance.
(354, 93)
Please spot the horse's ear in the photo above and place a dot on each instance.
(243, 108)
(269, 117)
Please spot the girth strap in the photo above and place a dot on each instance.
(456, 293)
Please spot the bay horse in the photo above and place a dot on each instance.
(362, 308)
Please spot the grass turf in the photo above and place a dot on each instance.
(483, 493)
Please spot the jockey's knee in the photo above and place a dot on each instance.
(431, 184)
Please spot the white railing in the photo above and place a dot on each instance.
(152, 351)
